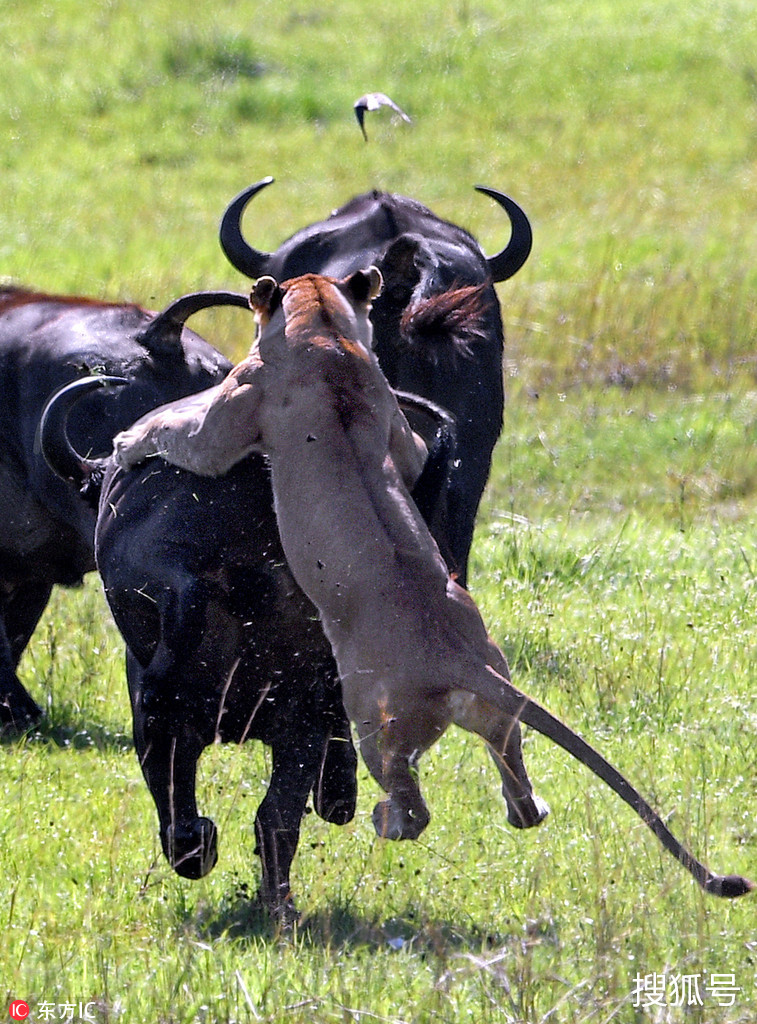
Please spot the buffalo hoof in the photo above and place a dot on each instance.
(335, 791)
(394, 822)
(18, 714)
(191, 850)
(339, 812)
(335, 798)
(281, 909)
(528, 812)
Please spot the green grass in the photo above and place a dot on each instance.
(615, 560)
(640, 635)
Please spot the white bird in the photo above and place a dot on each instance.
(372, 101)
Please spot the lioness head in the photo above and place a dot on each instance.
(316, 309)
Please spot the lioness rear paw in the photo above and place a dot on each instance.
(528, 812)
(394, 822)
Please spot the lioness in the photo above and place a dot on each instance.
(412, 650)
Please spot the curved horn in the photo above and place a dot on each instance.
(508, 262)
(239, 253)
(437, 414)
(163, 333)
(54, 443)
(430, 489)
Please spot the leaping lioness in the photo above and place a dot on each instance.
(412, 650)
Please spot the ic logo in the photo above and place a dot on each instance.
(19, 1010)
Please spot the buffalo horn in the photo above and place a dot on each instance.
(441, 418)
(163, 333)
(239, 253)
(253, 263)
(54, 442)
(516, 252)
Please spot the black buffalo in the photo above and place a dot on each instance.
(47, 530)
(437, 323)
(222, 645)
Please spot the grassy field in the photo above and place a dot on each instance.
(616, 556)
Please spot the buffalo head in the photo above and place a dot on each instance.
(437, 324)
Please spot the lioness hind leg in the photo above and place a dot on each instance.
(502, 734)
(405, 814)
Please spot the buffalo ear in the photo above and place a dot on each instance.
(265, 297)
(402, 264)
(365, 285)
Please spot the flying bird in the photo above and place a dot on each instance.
(372, 101)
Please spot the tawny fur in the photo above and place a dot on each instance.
(412, 650)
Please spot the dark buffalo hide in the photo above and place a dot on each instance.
(437, 323)
(221, 644)
(47, 530)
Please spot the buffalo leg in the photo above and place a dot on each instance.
(277, 823)
(17, 709)
(168, 759)
(335, 789)
(182, 616)
(19, 616)
(23, 610)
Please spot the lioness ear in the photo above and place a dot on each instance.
(366, 285)
(377, 282)
(264, 298)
